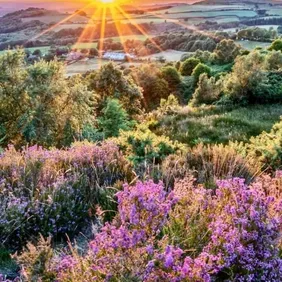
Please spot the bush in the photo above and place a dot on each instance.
(267, 147)
(276, 45)
(55, 192)
(208, 90)
(226, 51)
(237, 240)
(188, 66)
(113, 119)
(142, 146)
(171, 75)
(210, 163)
(200, 69)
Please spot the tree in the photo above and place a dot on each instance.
(114, 118)
(93, 52)
(246, 76)
(200, 69)
(273, 60)
(188, 66)
(178, 65)
(171, 75)
(14, 101)
(276, 45)
(208, 90)
(226, 51)
(109, 82)
(148, 77)
(37, 52)
(38, 105)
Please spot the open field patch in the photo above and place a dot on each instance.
(252, 44)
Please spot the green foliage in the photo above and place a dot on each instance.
(267, 147)
(188, 66)
(257, 34)
(38, 103)
(113, 119)
(208, 90)
(109, 82)
(171, 76)
(177, 65)
(142, 145)
(246, 76)
(226, 51)
(276, 45)
(273, 60)
(269, 90)
(214, 124)
(154, 86)
(200, 69)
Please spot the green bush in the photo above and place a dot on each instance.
(188, 66)
(142, 145)
(276, 45)
(200, 69)
(171, 76)
(267, 147)
(208, 90)
(113, 119)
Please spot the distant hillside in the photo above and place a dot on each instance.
(30, 12)
(230, 2)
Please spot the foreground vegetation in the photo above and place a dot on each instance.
(170, 171)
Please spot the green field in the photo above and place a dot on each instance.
(84, 66)
(169, 55)
(213, 125)
(56, 18)
(252, 44)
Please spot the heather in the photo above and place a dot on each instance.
(161, 171)
(55, 192)
(154, 233)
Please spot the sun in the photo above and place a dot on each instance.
(108, 3)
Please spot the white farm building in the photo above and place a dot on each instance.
(115, 56)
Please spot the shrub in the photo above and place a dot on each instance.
(188, 66)
(55, 191)
(171, 75)
(35, 261)
(121, 251)
(114, 118)
(276, 45)
(226, 51)
(142, 146)
(267, 147)
(210, 163)
(208, 90)
(237, 240)
(247, 75)
(200, 69)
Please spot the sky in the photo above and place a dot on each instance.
(8, 6)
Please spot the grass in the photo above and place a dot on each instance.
(7, 265)
(250, 45)
(169, 55)
(215, 125)
(56, 18)
(84, 66)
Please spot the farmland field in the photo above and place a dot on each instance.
(252, 44)
(169, 55)
(83, 66)
(56, 18)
